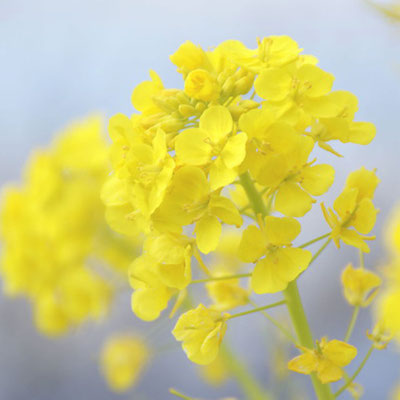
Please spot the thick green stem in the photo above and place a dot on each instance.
(304, 335)
(292, 295)
(249, 385)
(253, 195)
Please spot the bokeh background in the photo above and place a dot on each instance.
(60, 60)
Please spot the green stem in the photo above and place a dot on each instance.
(221, 278)
(278, 303)
(362, 260)
(252, 390)
(293, 300)
(352, 323)
(285, 331)
(180, 395)
(314, 240)
(354, 376)
(253, 195)
(322, 248)
(303, 331)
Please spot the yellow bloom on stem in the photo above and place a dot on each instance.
(189, 57)
(226, 294)
(212, 143)
(360, 285)
(189, 201)
(201, 330)
(123, 359)
(354, 209)
(282, 263)
(327, 360)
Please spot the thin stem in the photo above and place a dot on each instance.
(221, 278)
(180, 395)
(303, 331)
(352, 323)
(252, 390)
(322, 248)
(362, 260)
(354, 376)
(285, 331)
(314, 241)
(279, 303)
(203, 266)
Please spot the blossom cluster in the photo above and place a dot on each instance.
(237, 146)
(54, 234)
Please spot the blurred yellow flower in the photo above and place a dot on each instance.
(123, 359)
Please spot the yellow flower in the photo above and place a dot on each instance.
(360, 285)
(354, 209)
(212, 143)
(327, 360)
(282, 263)
(188, 57)
(189, 201)
(226, 294)
(201, 330)
(201, 85)
(123, 359)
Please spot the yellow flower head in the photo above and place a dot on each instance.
(282, 263)
(201, 330)
(354, 209)
(123, 359)
(327, 360)
(360, 285)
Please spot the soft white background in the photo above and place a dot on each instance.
(60, 60)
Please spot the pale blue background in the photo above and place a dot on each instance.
(63, 59)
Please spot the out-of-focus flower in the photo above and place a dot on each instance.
(123, 359)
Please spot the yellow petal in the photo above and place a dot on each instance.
(208, 232)
(316, 81)
(281, 231)
(252, 245)
(304, 364)
(273, 273)
(362, 132)
(293, 201)
(340, 353)
(225, 210)
(147, 304)
(192, 148)
(317, 179)
(256, 122)
(365, 216)
(345, 203)
(220, 175)
(328, 372)
(273, 84)
(234, 150)
(217, 122)
(365, 181)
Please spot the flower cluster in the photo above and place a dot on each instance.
(54, 232)
(237, 144)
